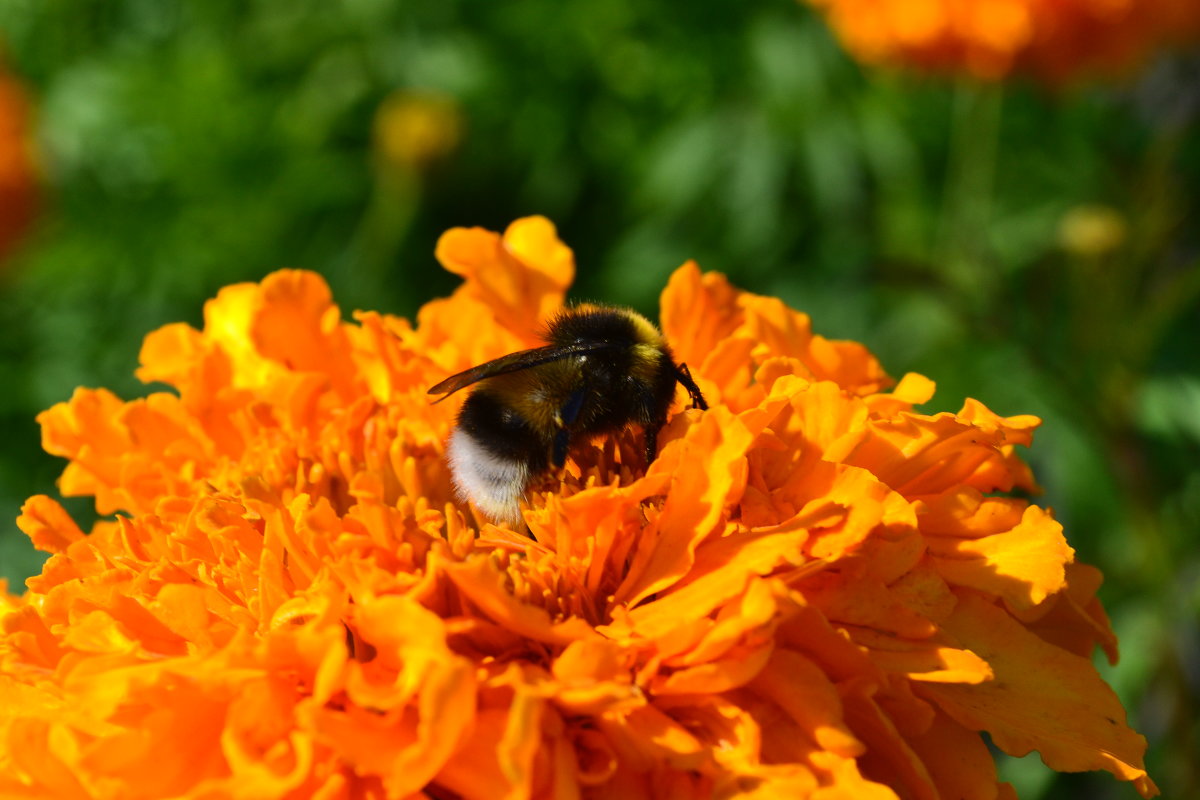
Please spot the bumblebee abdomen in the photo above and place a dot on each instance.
(493, 452)
(495, 484)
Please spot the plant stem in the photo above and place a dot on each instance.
(962, 253)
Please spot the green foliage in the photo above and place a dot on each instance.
(193, 144)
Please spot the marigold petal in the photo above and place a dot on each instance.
(534, 240)
(85, 430)
(851, 785)
(8, 602)
(48, 525)
(1007, 470)
(660, 738)
(1043, 698)
(798, 687)
(474, 771)
(594, 678)
(965, 512)
(1075, 619)
(720, 721)
(699, 312)
(927, 662)
(781, 331)
(520, 277)
(913, 389)
(485, 586)
(265, 758)
(815, 417)
(887, 756)
(1024, 565)
(519, 748)
(41, 754)
(228, 321)
(847, 364)
(958, 760)
(725, 567)
(719, 675)
(413, 699)
(180, 355)
(462, 251)
(298, 327)
(183, 608)
(865, 602)
(745, 621)
(701, 487)
(917, 454)
(28, 641)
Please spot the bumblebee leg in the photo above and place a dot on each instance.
(651, 443)
(684, 376)
(565, 417)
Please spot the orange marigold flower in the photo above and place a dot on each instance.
(813, 591)
(991, 39)
(18, 170)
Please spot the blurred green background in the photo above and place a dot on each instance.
(1035, 249)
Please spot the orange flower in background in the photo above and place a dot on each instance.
(812, 590)
(991, 39)
(18, 172)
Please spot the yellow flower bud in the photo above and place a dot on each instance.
(414, 129)
(1092, 230)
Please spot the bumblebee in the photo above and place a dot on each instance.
(603, 369)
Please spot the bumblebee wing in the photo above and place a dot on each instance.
(514, 362)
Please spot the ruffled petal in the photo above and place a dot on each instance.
(1043, 698)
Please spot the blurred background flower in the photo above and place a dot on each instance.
(1035, 249)
(18, 170)
(991, 39)
(415, 129)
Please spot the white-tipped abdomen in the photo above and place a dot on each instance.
(492, 483)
